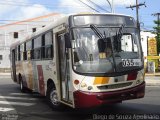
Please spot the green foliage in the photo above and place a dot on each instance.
(157, 22)
(158, 43)
(157, 29)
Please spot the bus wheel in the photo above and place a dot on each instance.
(52, 98)
(22, 88)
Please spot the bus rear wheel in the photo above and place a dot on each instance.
(52, 98)
(22, 88)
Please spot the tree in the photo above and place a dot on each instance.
(157, 29)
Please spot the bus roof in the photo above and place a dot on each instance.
(14, 44)
(60, 21)
(101, 14)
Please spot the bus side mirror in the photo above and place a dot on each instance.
(67, 40)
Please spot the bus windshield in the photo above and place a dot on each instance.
(116, 51)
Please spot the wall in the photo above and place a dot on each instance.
(24, 29)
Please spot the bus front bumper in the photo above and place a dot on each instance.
(92, 99)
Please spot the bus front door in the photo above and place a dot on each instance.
(64, 68)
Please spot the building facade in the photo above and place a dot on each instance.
(145, 35)
(150, 51)
(16, 31)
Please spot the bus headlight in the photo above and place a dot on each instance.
(138, 82)
(83, 85)
(142, 77)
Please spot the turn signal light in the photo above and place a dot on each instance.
(140, 95)
(132, 76)
(76, 82)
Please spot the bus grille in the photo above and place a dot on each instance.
(115, 86)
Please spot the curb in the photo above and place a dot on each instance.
(152, 84)
(5, 75)
(154, 74)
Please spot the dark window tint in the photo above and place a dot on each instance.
(15, 54)
(37, 53)
(37, 42)
(37, 47)
(33, 29)
(28, 49)
(48, 38)
(25, 52)
(28, 45)
(21, 51)
(1, 57)
(15, 34)
(111, 20)
(19, 55)
(47, 49)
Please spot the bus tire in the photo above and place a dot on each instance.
(52, 98)
(22, 88)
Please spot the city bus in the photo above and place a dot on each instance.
(82, 60)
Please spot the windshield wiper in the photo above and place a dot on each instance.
(119, 35)
(101, 42)
(97, 32)
(120, 31)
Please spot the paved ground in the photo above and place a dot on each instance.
(15, 105)
(152, 80)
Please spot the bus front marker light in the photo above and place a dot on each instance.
(132, 95)
(90, 87)
(141, 94)
(76, 82)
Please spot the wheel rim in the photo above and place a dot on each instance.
(54, 98)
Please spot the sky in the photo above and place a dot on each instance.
(12, 10)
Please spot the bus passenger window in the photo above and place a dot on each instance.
(47, 49)
(37, 47)
(48, 52)
(19, 55)
(16, 54)
(24, 53)
(37, 54)
(28, 50)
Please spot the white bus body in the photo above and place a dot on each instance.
(68, 61)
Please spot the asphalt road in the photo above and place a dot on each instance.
(15, 105)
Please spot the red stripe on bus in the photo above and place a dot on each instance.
(41, 79)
